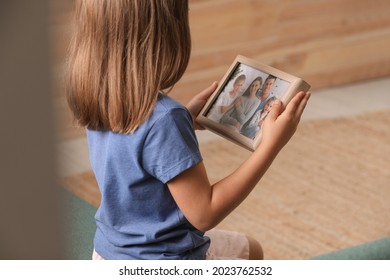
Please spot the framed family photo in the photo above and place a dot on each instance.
(243, 99)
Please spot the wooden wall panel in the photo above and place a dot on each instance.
(328, 42)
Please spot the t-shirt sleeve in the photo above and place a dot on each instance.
(171, 146)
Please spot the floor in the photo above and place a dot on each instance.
(369, 96)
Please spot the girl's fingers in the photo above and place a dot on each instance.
(208, 91)
(276, 109)
(302, 104)
(294, 103)
(296, 106)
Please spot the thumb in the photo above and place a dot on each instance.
(208, 91)
(276, 110)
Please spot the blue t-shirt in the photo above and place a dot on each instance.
(138, 217)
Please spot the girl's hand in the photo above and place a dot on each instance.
(196, 104)
(280, 124)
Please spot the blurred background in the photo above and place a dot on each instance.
(328, 43)
(341, 47)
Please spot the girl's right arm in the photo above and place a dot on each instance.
(205, 205)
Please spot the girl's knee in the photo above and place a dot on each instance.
(255, 249)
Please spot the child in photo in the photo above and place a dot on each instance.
(254, 125)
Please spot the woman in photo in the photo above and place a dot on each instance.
(244, 107)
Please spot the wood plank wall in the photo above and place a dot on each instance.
(326, 42)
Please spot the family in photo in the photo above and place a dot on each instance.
(243, 108)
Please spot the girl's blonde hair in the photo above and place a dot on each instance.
(122, 54)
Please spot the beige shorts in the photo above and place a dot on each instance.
(225, 245)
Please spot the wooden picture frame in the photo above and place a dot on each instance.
(233, 112)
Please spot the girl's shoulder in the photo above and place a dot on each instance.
(167, 109)
(165, 103)
(167, 106)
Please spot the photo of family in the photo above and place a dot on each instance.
(246, 99)
(238, 107)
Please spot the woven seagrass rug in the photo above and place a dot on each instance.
(328, 189)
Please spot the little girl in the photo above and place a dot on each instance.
(156, 199)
